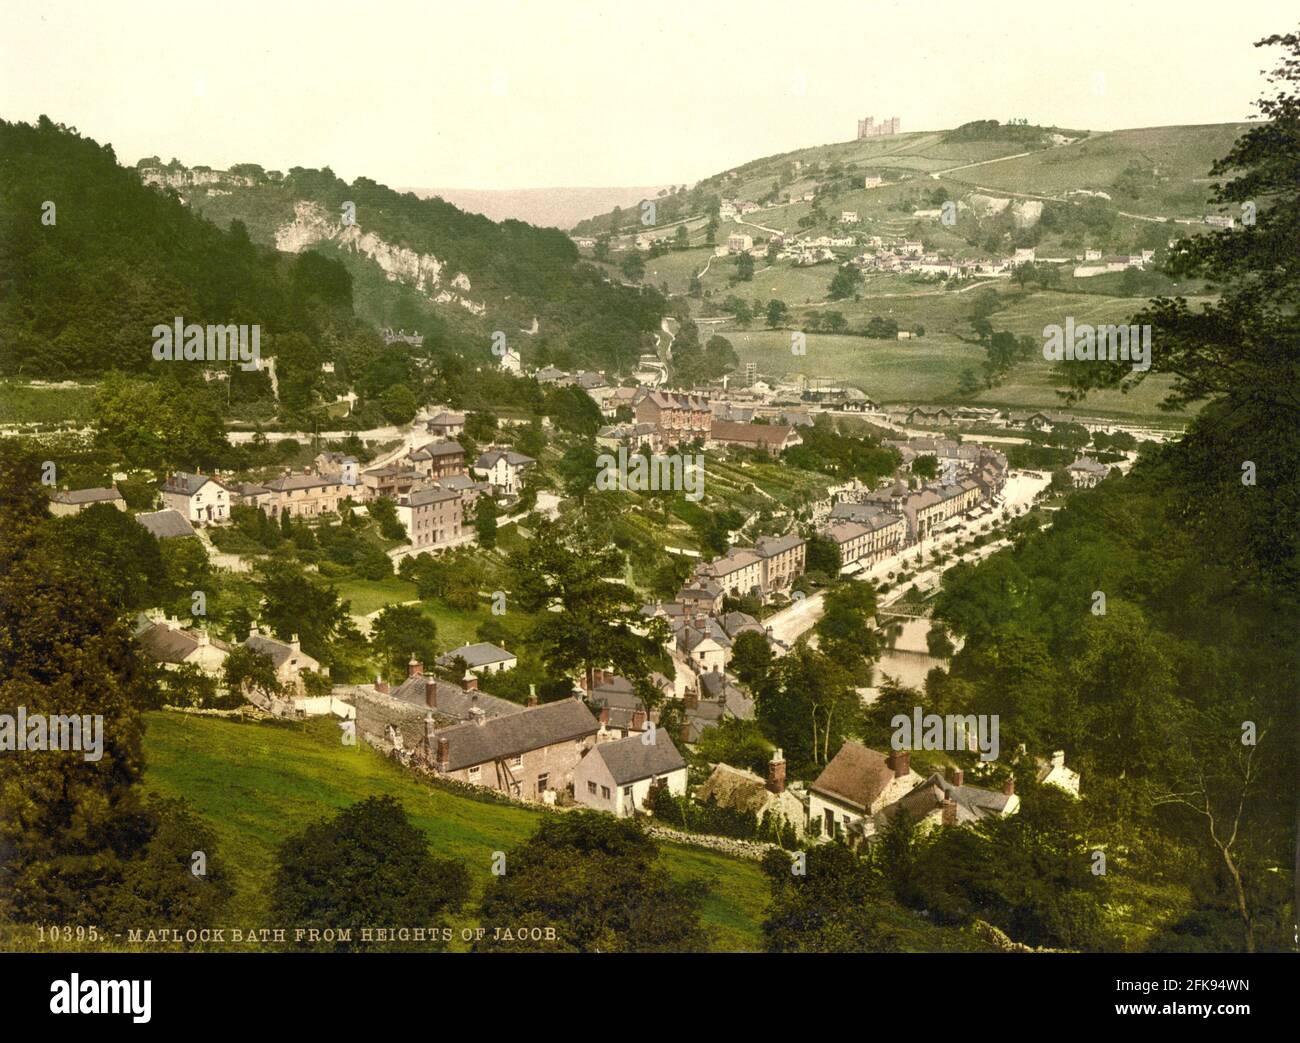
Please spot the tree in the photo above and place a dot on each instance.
(247, 671)
(744, 267)
(595, 880)
(383, 510)
(485, 522)
(751, 657)
(822, 554)
(807, 705)
(577, 470)
(834, 905)
(776, 313)
(926, 466)
(399, 404)
(845, 283)
(66, 651)
(366, 866)
(401, 633)
(634, 266)
(569, 567)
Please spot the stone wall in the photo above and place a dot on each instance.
(750, 849)
(393, 725)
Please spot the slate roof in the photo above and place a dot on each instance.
(452, 699)
(631, 760)
(288, 482)
(79, 496)
(435, 449)
(421, 497)
(973, 802)
(513, 734)
(481, 653)
(171, 645)
(278, 651)
(183, 482)
(166, 524)
(770, 546)
(488, 460)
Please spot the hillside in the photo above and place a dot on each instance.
(255, 784)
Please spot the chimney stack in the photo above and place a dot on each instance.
(471, 683)
(414, 668)
(900, 761)
(381, 686)
(691, 699)
(776, 773)
(949, 808)
(604, 717)
(1058, 759)
(638, 720)
(443, 754)
(294, 643)
(431, 693)
(532, 695)
(955, 776)
(1009, 787)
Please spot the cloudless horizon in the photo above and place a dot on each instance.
(505, 95)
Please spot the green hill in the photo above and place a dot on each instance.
(257, 783)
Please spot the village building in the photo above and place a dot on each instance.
(438, 459)
(391, 480)
(446, 424)
(339, 466)
(431, 517)
(1086, 472)
(306, 495)
(531, 754)
(772, 439)
(1053, 772)
(618, 776)
(64, 502)
(940, 801)
(197, 497)
(856, 784)
(171, 645)
(677, 419)
(503, 470)
(480, 658)
(166, 525)
(288, 659)
(743, 791)
(783, 561)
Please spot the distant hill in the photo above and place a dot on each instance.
(544, 207)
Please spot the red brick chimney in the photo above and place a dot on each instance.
(776, 773)
(604, 717)
(381, 686)
(1009, 787)
(414, 668)
(691, 699)
(638, 720)
(949, 812)
(443, 756)
(431, 692)
(471, 683)
(956, 776)
(900, 761)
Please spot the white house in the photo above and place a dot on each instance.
(481, 658)
(503, 469)
(856, 784)
(617, 776)
(197, 498)
(1054, 773)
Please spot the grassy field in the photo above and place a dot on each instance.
(28, 404)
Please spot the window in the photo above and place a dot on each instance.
(604, 792)
(627, 793)
(517, 762)
(475, 773)
(591, 788)
(542, 781)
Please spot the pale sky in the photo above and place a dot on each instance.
(500, 94)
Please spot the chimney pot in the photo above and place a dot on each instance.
(431, 692)
(414, 668)
(949, 812)
(604, 717)
(532, 695)
(381, 686)
(471, 683)
(900, 761)
(443, 759)
(1009, 787)
(956, 776)
(638, 720)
